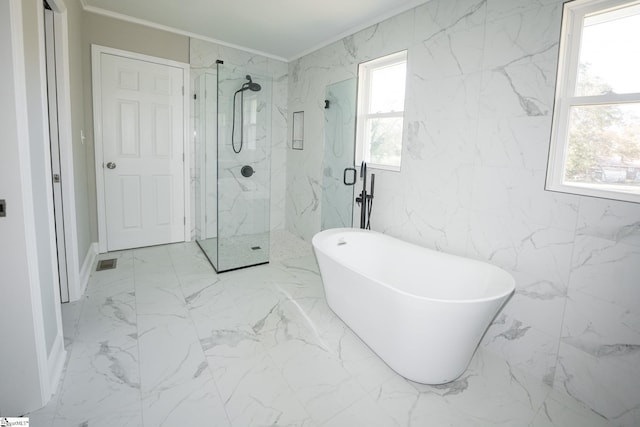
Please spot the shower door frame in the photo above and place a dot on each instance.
(221, 143)
(235, 193)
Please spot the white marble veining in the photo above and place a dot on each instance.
(268, 151)
(480, 89)
(163, 340)
(257, 347)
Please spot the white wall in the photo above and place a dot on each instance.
(81, 182)
(478, 115)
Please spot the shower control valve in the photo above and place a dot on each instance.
(247, 171)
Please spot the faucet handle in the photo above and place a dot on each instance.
(373, 182)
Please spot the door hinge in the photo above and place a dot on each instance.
(184, 220)
(195, 96)
(182, 90)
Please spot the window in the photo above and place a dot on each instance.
(595, 141)
(381, 86)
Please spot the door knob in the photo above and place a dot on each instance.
(111, 165)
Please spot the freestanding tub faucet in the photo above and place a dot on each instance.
(365, 200)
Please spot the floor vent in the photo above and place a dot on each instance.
(107, 264)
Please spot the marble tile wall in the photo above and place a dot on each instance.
(243, 203)
(477, 125)
(203, 56)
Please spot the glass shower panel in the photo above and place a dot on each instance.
(339, 150)
(198, 162)
(205, 112)
(243, 168)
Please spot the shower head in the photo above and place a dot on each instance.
(254, 87)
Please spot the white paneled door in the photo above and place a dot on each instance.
(141, 104)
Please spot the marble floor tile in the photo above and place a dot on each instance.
(105, 279)
(160, 301)
(316, 376)
(362, 363)
(71, 313)
(194, 286)
(491, 391)
(285, 246)
(101, 385)
(162, 340)
(409, 407)
(194, 401)
(170, 354)
(363, 413)
(561, 410)
(255, 393)
(106, 317)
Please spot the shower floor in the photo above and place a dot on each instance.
(236, 252)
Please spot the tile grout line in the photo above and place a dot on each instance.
(193, 324)
(282, 267)
(135, 301)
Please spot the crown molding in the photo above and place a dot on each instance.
(143, 22)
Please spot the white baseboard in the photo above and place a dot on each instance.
(57, 360)
(85, 272)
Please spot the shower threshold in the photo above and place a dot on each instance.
(234, 253)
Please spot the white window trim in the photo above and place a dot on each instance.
(573, 14)
(364, 91)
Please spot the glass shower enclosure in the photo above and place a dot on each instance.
(232, 119)
(339, 154)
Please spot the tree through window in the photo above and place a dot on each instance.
(381, 90)
(596, 123)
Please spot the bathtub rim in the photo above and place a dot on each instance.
(330, 231)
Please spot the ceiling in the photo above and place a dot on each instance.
(283, 29)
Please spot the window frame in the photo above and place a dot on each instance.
(565, 98)
(365, 69)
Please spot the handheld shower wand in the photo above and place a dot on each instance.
(363, 195)
(365, 200)
(254, 87)
(370, 201)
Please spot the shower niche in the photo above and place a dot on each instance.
(232, 119)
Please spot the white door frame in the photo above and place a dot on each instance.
(35, 385)
(54, 142)
(45, 365)
(63, 87)
(96, 78)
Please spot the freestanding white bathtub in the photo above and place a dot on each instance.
(423, 312)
